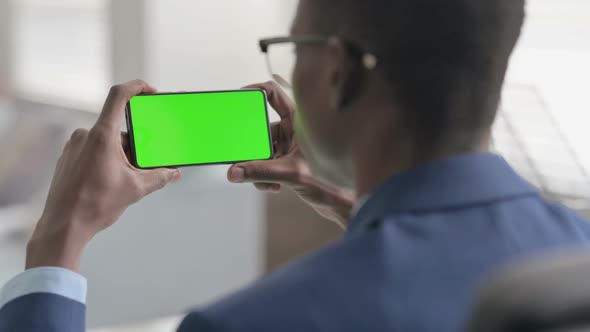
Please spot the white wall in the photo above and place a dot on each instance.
(5, 41)
(60, 52)
(553, 56)
(196, 45)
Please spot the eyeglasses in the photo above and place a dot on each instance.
(281, 55)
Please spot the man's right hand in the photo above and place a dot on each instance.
(289, 167)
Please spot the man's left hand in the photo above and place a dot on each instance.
(94, 182)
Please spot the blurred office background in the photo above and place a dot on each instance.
(203, 238)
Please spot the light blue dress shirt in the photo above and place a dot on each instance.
(51, 280)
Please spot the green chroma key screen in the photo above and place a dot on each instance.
(182, 129)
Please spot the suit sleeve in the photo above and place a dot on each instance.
(196, 322)
(44, 300)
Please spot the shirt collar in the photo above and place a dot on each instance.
(448, 183)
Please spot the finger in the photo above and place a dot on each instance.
(270, 187)
(66, 146)
(125, 140)
(275, 130)
(154, 180)
(277, 97)
(77, 139)
(118, 97)
(276, 171)
(126, 145)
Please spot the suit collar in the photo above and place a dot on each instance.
(455, 182)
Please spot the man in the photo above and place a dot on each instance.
(396, 99)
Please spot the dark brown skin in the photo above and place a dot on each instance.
(289, 168)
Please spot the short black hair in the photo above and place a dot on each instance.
(446, 59)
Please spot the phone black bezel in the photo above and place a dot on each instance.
(129, 122)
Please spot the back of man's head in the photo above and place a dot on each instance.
(446, 60)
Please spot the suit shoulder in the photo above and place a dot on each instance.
(279, 300)
(196, 321)
(568, 216)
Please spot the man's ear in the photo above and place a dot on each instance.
(346, 75)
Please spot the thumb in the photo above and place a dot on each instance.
(157, 179)
(263, 171)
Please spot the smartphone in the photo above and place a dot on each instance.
(198, 128)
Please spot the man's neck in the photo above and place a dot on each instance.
(376, 165)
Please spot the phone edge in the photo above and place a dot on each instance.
(129, 122)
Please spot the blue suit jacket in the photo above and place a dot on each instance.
(411, 260)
